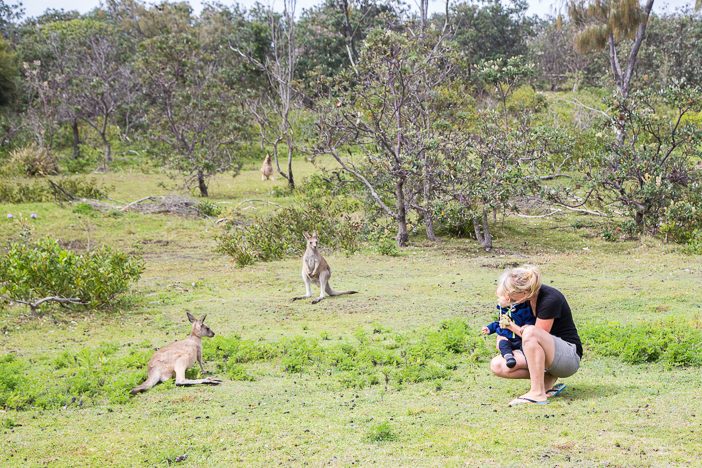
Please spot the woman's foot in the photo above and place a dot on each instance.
(555, 390)
(530, 398)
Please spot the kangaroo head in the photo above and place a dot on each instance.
(199, 327)
(268, 159)
(312, 239)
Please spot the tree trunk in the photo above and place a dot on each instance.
(76, 139)
(201, 184)
(482, 231)
(291, 178)
(402, 235)
(108, 150)
(427, 191)
(487, 237)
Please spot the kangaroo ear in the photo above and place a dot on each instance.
(203, 318)
(314, 234)
(190, 317)
(306, 234)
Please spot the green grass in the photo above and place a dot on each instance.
(336, 382)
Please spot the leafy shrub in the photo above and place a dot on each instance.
(387, 246)
(381, 432)
(671, 343)
(31, 271)
(694, 243)
(208, 208)
(43, 191)
(31, 161)
(274, 237)
(453, 220)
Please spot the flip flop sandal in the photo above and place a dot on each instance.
(556, 390)
(526, 401)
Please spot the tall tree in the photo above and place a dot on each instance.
(605, 24)
(279, 66)
(391, 111)
(193, 113)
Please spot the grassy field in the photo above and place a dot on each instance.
(612, 413)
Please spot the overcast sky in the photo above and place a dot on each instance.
(537, 7)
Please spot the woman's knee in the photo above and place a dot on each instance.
(529, 334)
(497, 365)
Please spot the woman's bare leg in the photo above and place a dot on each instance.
(539, 350)
(499, 367)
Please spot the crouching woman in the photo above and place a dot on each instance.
(551, 349)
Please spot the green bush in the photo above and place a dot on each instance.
(671, 343)
(694, 243)
(274, 237)
(43, 191)
(31, 271)
(208, 208)
(387, 246)
(453, 220)
(31, 161)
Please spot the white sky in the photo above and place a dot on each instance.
(536, 7)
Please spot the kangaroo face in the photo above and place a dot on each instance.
(312, 240)
(199, 327)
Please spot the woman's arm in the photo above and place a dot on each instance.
(544, 324)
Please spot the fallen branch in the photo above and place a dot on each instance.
(35, 305)
(136, 202)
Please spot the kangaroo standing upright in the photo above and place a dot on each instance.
(315, 269)
(267, 168)
(176, 357)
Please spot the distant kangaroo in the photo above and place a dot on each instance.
(315, 269)
(177, 357)
(267, 168)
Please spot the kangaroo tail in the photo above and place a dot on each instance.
(331, 292)
(148, 383)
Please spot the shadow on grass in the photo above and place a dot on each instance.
(590, 391)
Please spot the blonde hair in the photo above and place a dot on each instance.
(523, 279)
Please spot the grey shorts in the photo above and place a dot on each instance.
(565, 360)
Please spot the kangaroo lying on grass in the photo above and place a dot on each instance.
(315, 269)
(177, 357)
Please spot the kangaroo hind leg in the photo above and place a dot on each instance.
(153, 378)
(180, 379)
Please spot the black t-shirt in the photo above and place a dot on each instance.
(552, 304)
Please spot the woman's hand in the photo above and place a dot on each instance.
(485, 331)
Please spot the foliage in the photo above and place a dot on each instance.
(647, 164)
(35, 270)
(8, 73)
(672, 343)
(503, 76)
(193, 116)
(491, 30)
(208, 208)
(381, 432)
(454, 220)
(32, 161)
(89, 376)
(42, 191)
(274, 237)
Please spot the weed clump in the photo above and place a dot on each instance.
(381, 432)
(671, 343)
